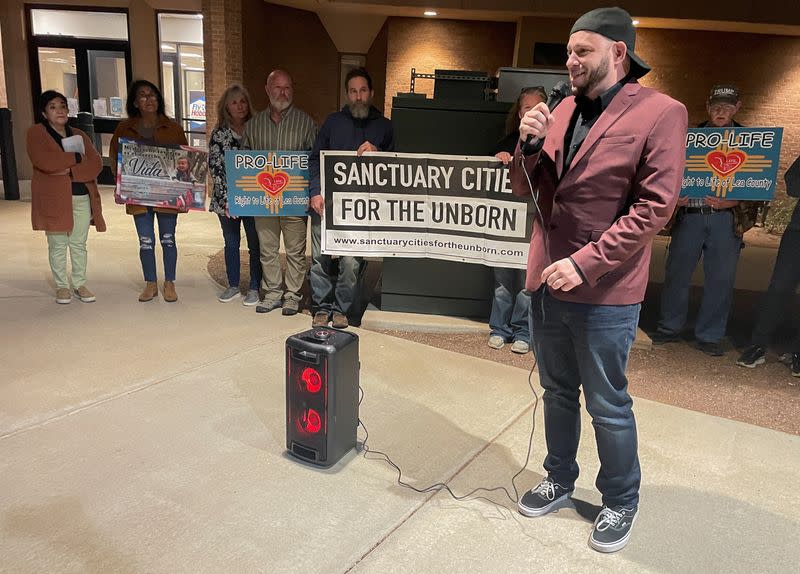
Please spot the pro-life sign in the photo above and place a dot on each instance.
(732, 163)
(267, 183)
(417, 205)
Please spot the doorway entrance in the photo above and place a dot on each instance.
(86, 56)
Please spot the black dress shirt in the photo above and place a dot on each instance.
(584, 117)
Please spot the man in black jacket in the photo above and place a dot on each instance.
(359, 127)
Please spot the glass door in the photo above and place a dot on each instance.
(57, 71)
(108, 90)
(85, 55)
(171, 80)
(183, 72)
(195, 106)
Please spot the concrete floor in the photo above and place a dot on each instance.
(150, 438)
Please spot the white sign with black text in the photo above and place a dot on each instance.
(456, 208)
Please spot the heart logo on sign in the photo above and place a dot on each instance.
(723, 163)
(273, 183)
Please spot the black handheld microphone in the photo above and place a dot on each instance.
(560, 91)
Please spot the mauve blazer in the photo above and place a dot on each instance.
(618, 192)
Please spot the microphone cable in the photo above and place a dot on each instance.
(443, 486)
(439, 486)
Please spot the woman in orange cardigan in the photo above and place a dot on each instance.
(64, 196)
(147, 123)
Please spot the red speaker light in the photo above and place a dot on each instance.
(312, 380)
(310, 421)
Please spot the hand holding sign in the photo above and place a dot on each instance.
(366, 146)
(318, 205)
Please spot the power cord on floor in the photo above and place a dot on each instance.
(441, 485)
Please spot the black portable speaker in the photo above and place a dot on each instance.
(321, 394)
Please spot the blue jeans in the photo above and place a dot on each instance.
(331, 291)
(147, 242)
(710, 235)
(782, 287)
(579, 345)
(232, 234)
(510, 306)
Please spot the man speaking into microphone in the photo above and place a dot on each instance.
(607, 167)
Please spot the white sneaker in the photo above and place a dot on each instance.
(229, 294)
(520, 347)
(496, 341)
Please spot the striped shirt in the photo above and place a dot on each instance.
(295, 132)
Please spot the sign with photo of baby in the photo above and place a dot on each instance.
(170, 176)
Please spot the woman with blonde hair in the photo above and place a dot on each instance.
(233, 111)
(64, 196)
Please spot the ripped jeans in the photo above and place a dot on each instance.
(147, 240)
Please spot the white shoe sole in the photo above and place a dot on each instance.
(752, 365)
(559, 503)
(64, 301)
(229, 299)
(616, 546)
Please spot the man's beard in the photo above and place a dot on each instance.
(279, 105)
(593, 78)
(359, 110)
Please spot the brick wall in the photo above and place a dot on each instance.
(222, 44)
(376, 66)
(766, 68)
(295, 40)
(428, 44)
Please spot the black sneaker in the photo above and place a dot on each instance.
(752, 356)
(612, 528)
(662, 337)
(796, 364)
(709, 348)
(547, 496)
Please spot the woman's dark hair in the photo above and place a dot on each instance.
(47, 97)
(512, 120)
(358, 73)
(133, 111)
